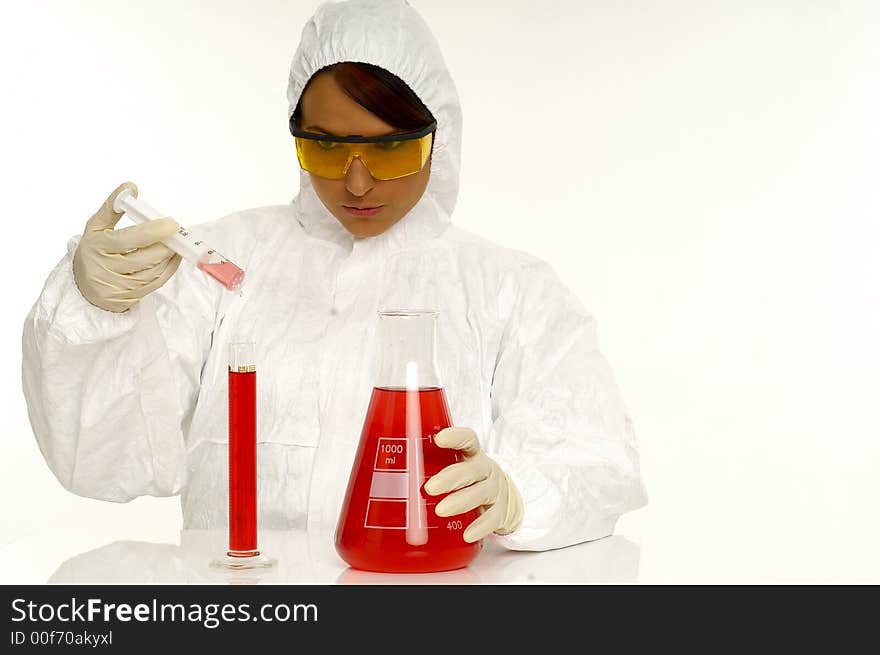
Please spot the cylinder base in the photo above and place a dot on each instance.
(239, 562)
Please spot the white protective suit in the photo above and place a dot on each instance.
(131, 404)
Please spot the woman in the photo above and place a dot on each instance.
(125, 351)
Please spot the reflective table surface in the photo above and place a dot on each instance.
(301, 559)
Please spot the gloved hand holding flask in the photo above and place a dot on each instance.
(478, 483)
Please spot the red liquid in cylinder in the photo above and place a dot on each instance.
(242, 463)
(387, 521)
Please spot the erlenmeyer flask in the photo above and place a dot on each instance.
(387, 521)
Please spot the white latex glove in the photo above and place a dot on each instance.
(114, 269)
(478, 482)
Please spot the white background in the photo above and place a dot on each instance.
(713, 199)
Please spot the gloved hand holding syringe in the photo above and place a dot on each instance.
(183, 242)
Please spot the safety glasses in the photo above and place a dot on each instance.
(386, 157)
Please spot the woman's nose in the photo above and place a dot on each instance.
(358, 179)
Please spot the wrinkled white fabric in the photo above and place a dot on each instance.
(124, 405)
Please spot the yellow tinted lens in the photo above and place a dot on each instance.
(393, 159)
(386, 160)
(323, 158)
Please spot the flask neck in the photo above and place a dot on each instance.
(407, 342)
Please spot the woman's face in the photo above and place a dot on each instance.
(324, 105)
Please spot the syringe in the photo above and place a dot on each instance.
(183, 242)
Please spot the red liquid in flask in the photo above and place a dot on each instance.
(387, 521)
(225, 272)
(242, 464)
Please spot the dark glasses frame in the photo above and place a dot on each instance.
(404, 136)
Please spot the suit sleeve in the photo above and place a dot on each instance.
(110, 395)
(560, 427)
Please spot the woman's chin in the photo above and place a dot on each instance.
(364, 229)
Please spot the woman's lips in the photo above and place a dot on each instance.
(363, 212)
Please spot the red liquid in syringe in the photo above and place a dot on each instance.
(242, 463)
(225, 272)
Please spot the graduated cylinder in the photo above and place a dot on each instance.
(242, 450)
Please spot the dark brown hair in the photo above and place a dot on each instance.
(378, 91)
